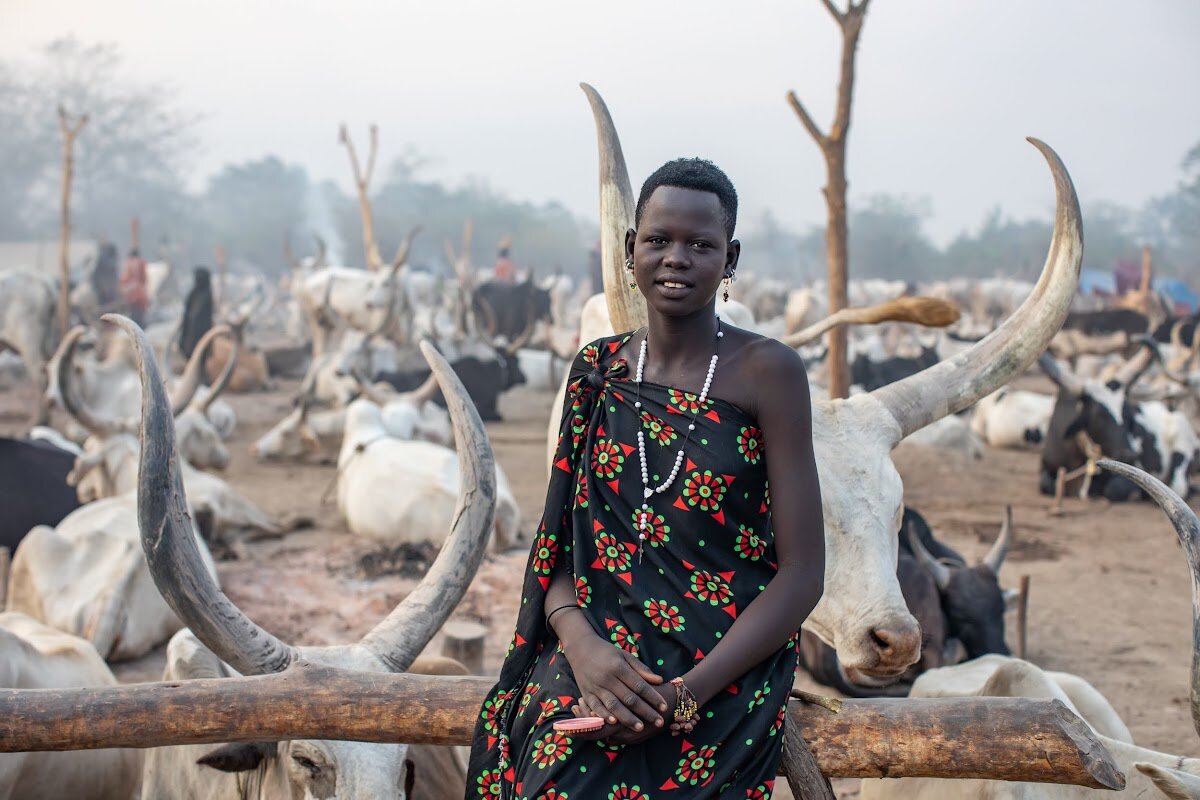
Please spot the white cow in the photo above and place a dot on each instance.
(1003, 676)
(297, 769)
(862, 613)
(88, 577)
(397, 490)
(34, 656)
(1013, 418)
(28, 327)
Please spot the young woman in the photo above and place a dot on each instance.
(681, 547)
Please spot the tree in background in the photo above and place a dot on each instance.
(833, 148)
(248, 207)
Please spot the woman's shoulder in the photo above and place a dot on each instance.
(600, 350)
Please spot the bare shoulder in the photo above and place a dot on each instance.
(764, 369)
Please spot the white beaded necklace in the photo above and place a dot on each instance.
(643, 526)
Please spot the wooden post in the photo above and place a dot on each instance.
(801, 768)
(833, 148)
(5, 563)
(362, 181)
(222, 269)
(463, 641)
(135, 229)
(975, 737)
(70, 130)
(1023, 616)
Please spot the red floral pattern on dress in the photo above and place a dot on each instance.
(490, 713)
(696, 765)
(611, 552)
(545, 549)
(623, 639)
(581, 491)
(554, 746)
(760, 697)
(686, 402)
(607, 459)
(760, 792)
(704, 489)
(622, 791)
(488, 784)
(750, 444)
(710, 588)
(583, 591)
(530, 690)
(549, 709)
(749, 544)
(777, 725)
(657, 530)
(663, 615)
(659, 431)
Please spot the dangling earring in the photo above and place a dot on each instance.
(727, 282)
(629, 266)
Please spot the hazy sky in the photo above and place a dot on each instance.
(946, 90)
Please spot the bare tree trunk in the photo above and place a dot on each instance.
(70, 130)
(222, 270)
(135, 235)
(362, 180)
(833, 148)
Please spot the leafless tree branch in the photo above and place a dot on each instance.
(806, 119)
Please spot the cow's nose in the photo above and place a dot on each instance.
(896, 644)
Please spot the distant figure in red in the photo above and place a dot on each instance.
(135, 289)
(505, 270)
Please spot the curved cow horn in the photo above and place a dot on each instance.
(73, 403)
(936, 569)
(399, 638)
(322, 251)
(1132, 369)
(171, 552)
(405, 247)
(930, 312)
(995, 557)
(1187, 528)
(189, 381)
(1062, 377)
(626, 309)
(958, 382)
(226, 373)
(367, 389)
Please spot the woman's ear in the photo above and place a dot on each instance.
(732, 253)
(630, 239)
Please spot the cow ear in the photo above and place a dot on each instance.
(1175, 784)
(1011, 596)
(237, 757)
(410, 776)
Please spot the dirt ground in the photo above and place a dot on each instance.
(1110, 587)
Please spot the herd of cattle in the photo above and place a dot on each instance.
(111, 516)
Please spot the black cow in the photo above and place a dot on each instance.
(33, 487)
(1108, 320)
(873, 374)
(484, 380)
(952, 601)
(510, 309)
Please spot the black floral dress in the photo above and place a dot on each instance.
(709, 552)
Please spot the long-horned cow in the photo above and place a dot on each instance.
(297, 769)
(27, 326)
(863, 614)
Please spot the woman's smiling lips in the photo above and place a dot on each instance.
(673, 287)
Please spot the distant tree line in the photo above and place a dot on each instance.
(133, 159)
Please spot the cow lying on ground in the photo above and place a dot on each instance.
(27, 303)
(33, 483)
(34, 656)
(1013, 418)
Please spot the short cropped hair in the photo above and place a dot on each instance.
(693, 173)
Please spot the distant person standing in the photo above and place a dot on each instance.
(104, 278)
(504, 270)
(197, 311)
(135, 289)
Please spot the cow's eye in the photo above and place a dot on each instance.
(307, 764)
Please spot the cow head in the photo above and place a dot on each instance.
(862, 613)
(972, 600)
(308, 769)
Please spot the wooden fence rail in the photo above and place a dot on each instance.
(996, 738)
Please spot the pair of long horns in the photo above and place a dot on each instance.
(1126, 375)
(181, 397)
(193, 595)
(916, 401)
(941, 573)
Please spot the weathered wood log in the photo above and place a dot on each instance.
(992, 738)
(5, 564)
(801, 768)
(463, 641)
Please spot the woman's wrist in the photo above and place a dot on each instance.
(572, 629)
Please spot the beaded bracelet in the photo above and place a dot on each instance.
(686, 706)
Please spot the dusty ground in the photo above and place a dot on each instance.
(1110, 589)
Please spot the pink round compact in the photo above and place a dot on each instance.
(579, 725)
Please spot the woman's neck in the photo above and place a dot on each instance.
(676, 343)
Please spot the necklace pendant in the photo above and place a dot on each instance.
(647, 492)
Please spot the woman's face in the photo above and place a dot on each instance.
(680, 253)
